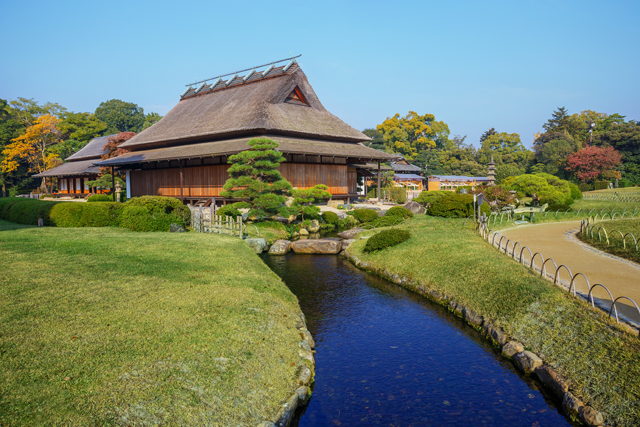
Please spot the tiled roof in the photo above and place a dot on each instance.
(459, 178)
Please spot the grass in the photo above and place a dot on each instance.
(601, 360)
(102, 326)
(616, 245)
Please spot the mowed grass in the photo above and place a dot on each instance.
(616, 246)
(101, 326)
(601, 360)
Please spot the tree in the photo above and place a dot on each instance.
(33, 147)
(304, 200)
(28, 110)
(77, 129)
(151, 119)
(487, 134)
(113, 144)
(255, 179)
(377, 142)
(413, 133)
(559, 121)
(554, 154)
(505, 148)
(548, 188)
(625, 138)
(592, 163)
(505, 171)
(121, 116)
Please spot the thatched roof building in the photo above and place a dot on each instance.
(185, 153)
(78, 169)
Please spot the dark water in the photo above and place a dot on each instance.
(388, 357)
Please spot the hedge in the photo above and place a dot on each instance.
(426, 197)
(148, 213)
(386, 239)
(154, 213)
(100, 198)
(365, 215)
(455, 206)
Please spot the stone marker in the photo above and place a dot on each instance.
(319, 246)
(258, 244)
(415, 207)
(280, 247)
(175, 228)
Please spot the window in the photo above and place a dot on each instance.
(78, 186)
(296, 95)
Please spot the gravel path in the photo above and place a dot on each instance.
(559, 241)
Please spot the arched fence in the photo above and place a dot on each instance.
(590, 230)
(627, 197)
(548, 269)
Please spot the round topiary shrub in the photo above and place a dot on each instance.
(365, 215)
(154, 213)
(330, 217)
(100, 198)
(399, 211)
(228, 210)
(386, 239)
(426, 197)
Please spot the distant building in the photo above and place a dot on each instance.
(452, 182)
(404, 167)
(78, 169)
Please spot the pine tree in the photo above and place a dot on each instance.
(487, 134)
(255, 179)
(559, 121)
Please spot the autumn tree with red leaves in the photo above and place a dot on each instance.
(592, 163)
(113, 144)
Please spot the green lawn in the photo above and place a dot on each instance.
(102, 326)
(601, 360)
(616, 245)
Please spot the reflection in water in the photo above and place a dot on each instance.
(388, 357)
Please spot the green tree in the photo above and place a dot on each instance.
(303, 200)
(487, 134)
(255, 179)
(151, 119)
(413, 133)
(121, 116)
(624, 137)
(11, 128)
(27, 111)
(77, 130)
(377, 141)
(559, 121)
(505, 171)
(505, 148)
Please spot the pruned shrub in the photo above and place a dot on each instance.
(386, 239)
(154, 213)
(100, 198)
(365, 215)
(228, 210)
(25, 211)
(330, 217)
(399, 195)
(399, 211)
(99, 214)
(455, 206)
(426, 197)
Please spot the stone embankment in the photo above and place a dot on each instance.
(526, 361)
(304, 380)
(329, 245)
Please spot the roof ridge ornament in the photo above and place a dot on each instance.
(231, 79)
(268, 70)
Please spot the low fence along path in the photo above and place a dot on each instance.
(559, 241)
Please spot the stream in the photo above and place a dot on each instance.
(386, 356)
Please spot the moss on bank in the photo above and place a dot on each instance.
(102, 326)
(601, 361)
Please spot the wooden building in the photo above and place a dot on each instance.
(78, 169)
(452, 182)
(185, 154)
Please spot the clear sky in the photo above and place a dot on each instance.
(473, 64)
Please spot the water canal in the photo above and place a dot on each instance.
(386, 356)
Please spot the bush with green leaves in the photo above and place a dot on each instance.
(548, 188)
(454, 205)
(399, 195)
(365, 215)
(500, 195)
(100, 198)
(154, 213)
(303, 201)
(26, 211)
(399, 211)
(330, 217)
(386, 239)
(60, 214)
(228, 210)
(426, 197)
(255, 179)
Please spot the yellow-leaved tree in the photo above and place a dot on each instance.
(31, 148)
(413, 133)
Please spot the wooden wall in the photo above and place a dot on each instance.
(207, 181)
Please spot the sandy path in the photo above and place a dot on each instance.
(559, 241)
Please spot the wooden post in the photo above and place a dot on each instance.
(181, 183)
(379, 195)
(113, 184)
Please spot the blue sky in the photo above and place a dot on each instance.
(474, 65)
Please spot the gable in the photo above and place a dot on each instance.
(296, 95)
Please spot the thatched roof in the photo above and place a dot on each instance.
(260, 105)
(288, 145)
(83, 167)
(93, 150)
